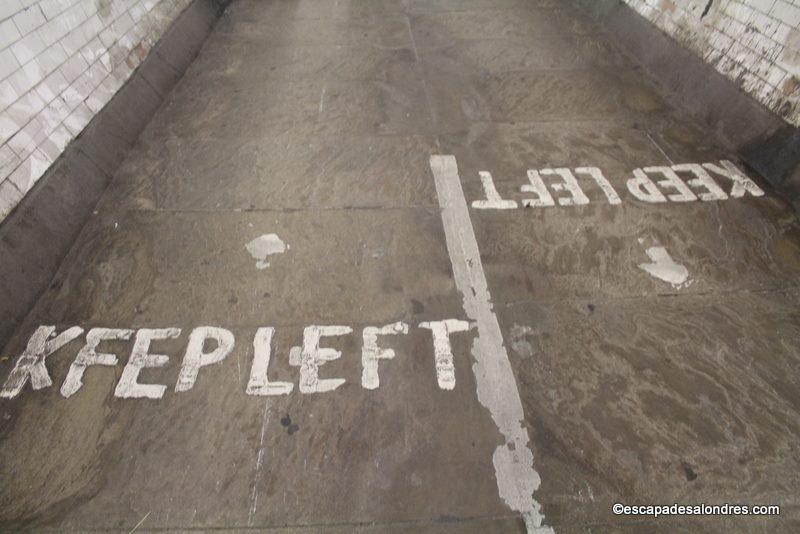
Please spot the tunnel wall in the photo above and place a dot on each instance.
(37, 233)
(61, 61)
(755, 43)
(767, 141)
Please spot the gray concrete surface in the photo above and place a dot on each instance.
(315, 121)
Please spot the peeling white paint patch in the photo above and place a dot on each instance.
(664, 268)
(519, 342)
(264, 246)
(497, 388)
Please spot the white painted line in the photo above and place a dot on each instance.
(321, 101)
(659, 148)
(142, 520)
(497, 388)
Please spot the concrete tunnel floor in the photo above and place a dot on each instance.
(637, 333)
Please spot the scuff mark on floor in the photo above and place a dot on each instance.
(519, 344)
(259, 464)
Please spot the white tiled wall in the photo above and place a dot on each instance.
(755, 43)
(60, 62)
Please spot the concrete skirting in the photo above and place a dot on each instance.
(38, 233)
(765, 142)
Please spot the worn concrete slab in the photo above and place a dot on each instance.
(122, 273)
(234, 59)
(257, 11)
(549, 95)
(292, 170)
(304, 130)
(435, 6)
(493, 56)
(354, 265)
(620, 414)
(597, 249)
(524, 25)
(215, 457)
(381, 29)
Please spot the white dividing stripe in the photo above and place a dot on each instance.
(497, 388)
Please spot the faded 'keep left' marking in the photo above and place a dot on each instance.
(210, 345)
(652, 185)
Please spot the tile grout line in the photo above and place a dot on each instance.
(650, 137)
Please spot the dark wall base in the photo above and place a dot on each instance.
(764, 140)
(38, 233)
